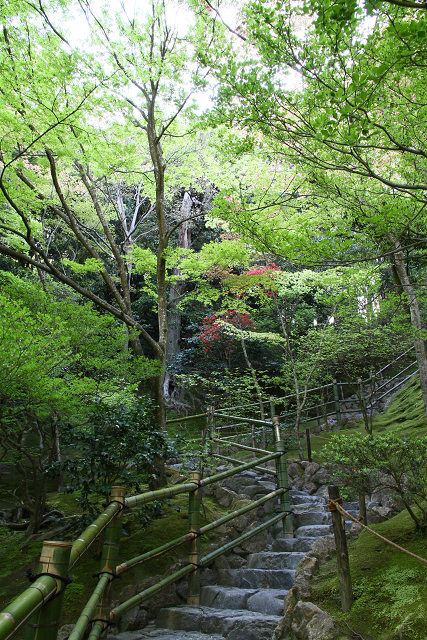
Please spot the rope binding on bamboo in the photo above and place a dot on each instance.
(332, 504)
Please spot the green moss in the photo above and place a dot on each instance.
(389, 586)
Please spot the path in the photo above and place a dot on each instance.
(246, 603)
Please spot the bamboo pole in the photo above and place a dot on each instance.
(231, 472)
(54, 559)
(241, 446)
(233, 461)
(89, 610)
(110, 555)
(246, 536)
(241, 511)
(344, 577)
(199, 415)
(193, 597)
(282, 476)
(167, 492)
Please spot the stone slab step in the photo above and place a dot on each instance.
(311, 517)
(232, 624)
(275, 560)
(257, 578)
(268, 601)
(301, 497)
(150, 631)
(292, 544)
(313, 531)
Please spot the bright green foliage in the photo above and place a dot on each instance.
(117, 446)
(384, 461)
(56, 357)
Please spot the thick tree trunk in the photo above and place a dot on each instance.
(416, 322)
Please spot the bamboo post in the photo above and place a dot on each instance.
(337, 401)
(54, 559)
(210, 418)
(193, 597)
(110, 556)
(344, 576)
(307, 435)
(282, 477)
(272, 407)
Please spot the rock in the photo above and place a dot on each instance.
(311, 469)
(321, 476)
(322, 491)
(380, 514)
(221, 563)
(294, 470)
(166, 598)
(255, 544)
(323, 549)
(133, 620)
(311, 623)
(310, 487)
(235, 561)
(65, 631)
(224, 496)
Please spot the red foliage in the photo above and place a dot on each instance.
(212, 332)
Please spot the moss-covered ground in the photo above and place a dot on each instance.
(390, 587)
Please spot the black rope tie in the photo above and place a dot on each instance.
(107, 623)
(32, 577)
(123, 505)
(102, 573)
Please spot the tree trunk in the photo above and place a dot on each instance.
(416, 323)
(257, 389)
(172, 388)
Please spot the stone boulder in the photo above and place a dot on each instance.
(309, 623)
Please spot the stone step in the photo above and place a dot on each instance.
(274, 560)
(269, 601)
(151, 631)
(257, 578)
(301, 497)
(311, 517)
(282, 544)
(232, 624)
(313, 531)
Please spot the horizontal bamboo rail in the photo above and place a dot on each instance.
(233, 461)
(154, 552)
(239, 446)
(168, 492)
(240, 419)
(18, 613)
(118, 611)
(239, 512)
(185, 418)
(246, 536)
(231, 472)
(89, 535)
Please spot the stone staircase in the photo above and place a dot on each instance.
(247, 603)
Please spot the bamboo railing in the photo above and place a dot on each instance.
(38, 608)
